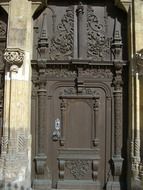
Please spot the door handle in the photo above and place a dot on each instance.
(57, 130)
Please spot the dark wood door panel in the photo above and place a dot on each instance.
(82, 134)
(79, 55)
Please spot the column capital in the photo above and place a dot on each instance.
(14, 56)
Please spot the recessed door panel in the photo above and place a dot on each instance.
(79, 124)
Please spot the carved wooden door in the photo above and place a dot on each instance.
(78, 64)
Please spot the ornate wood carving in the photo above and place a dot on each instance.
(62, 44)
(61, 169)
(83, 63)
(60, 73)
(79, 163)
(41, 157)
(59, 46)
(96, 122)
(80, 28)
(68, 94)
(78, 168)
(63, 121)
(118, 112)
(98, 42)
(95, 167)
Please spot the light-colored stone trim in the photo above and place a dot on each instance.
(123, 4)
(5, 4)
(17, 95)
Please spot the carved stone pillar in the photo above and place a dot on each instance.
(15, 160)
(15, 140)
(137, 165)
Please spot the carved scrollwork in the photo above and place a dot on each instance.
(117, 163)
(62, 44)
(64, 73)
(62, 169)
(40, 163)
(85, 91)
(78, 168)
(98, 43)
(95, 165)
(102, 73)
(14, 56)
(69, 91)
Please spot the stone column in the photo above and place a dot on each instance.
(15, 161)
(136, 165)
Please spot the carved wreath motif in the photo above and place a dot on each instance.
(98, 44)
(78, 168)
(62, 44)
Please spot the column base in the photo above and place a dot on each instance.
(113, 186)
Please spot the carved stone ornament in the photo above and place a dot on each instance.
(78, 168)
(14, 56)
(13, 159)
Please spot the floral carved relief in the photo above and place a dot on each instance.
(62, 43)
(78, 168)
(98, 43)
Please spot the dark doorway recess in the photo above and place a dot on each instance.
(3, 39)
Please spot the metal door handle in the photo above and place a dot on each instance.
(57, 130)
